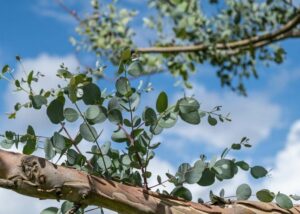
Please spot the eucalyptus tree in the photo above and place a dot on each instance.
(233, 39)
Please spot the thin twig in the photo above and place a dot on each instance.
(73, 13)
(74, 143)
(95, 137)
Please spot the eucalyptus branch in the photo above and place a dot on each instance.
(74, 143)
(286, 31)
(95, 137)
(159, 184)
(131, 140)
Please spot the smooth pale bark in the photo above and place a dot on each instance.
(36, 177)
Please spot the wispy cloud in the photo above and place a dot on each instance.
(51, 8)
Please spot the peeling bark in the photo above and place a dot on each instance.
(36, 177)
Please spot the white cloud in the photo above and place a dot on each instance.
(285, 174)
(254, 116)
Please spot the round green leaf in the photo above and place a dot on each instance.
(295, 197)
(55, 110)
(92, 112)
(105, 147)
(258, 172)
(91, 94)
(88, 132)
(38, 101)
(187, 105)
(182, 170)
(103, 160)
(243, 165)
(207, 178)
(101, 116)
(123, 86)
(284, 201)
(168, 120)
(265, 195)
(236, 146)
(49, 149)
(190, 117)
(29, 147)
(71, 156)
(182, 192)
(119, 136)
(135, 68)
(115, 116)
(243, 192)
(162, 102)
(6, 144)
(66, 206)
(113, 103)
(59, 142)
(134, 99)
(212, 121)
(156, 129)
(226, 167)
(50, 210)
(71, 114)
(126, 160)
(194, 174)
(150, 117)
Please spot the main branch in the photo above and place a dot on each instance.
(36, 177)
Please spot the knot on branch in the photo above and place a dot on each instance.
(32, 169)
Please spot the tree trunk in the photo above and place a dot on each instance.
(36, 177)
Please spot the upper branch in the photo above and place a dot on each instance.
(286, 31)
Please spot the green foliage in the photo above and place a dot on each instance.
(136, 132)
(190, 24)
(108, 33)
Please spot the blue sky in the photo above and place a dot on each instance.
(39, 32)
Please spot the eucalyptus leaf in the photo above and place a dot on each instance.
(50, 210)
(49, 149)
(55, 110)
(88, 132)
(123, 86)
(38, 101)
(258, 172)
(104, 161)
(91, 94)
(71, 114)
(162, 102)
(182, 192)
(284, 201)
(265, 195)
(211, 120)
(243, 192)
(92, 112)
